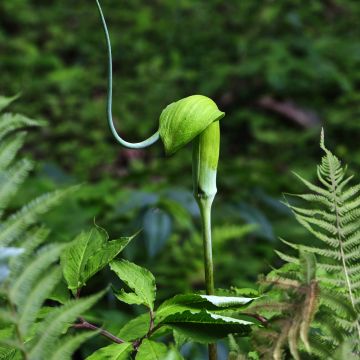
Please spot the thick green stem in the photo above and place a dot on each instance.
(205, 211)
(205, 160)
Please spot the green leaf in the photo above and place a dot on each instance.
(75, 257)
(113, 352)
(135, 328)
(206, 327)
(128, 298)
(140, 280)
(151, 350)
(182, 121)
(197, 303)
(87, 254)
(108, 251)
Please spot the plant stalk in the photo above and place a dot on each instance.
(205, 161)
(205, 211)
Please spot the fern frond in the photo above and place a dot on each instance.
(23, 285)
(12, 122)
(11, 180)
(36, 298)
(335, 222)
(56, 323)
(67, 346)
(9, 149)
(17, 223)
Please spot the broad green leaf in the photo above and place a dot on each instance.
(151, 350)
(183, 120)
(128, 298)
(75, 257)
(197, 303)
(140, 280)
(206, 327)
(135, 328)
(87, 254)
(113, 352)
(61, 293)
(108, 251)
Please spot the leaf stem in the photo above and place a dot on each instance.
(83, 324)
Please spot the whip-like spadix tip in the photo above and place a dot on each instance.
(180, 122)
(183, 120)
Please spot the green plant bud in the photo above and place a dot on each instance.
(183, 120)
(205, 161)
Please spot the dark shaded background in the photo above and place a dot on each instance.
(279, 69)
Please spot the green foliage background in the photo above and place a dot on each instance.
(236, 52)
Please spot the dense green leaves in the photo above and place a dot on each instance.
(89, 253)
(140, 280)
(182, 121)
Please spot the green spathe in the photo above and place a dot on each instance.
(183, 120)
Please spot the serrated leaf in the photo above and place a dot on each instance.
(108, 251)
(197, 303)
(139, 279)
(206, 327)
(87, 254)
(113, 352)
(128, 298)
(151, 350)
(75, 257)
(135, 328)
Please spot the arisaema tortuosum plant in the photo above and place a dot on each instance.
(194, 118)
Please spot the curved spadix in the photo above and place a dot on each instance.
(183, 120)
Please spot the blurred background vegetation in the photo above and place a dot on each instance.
(279, 69)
